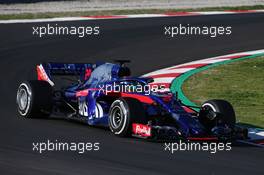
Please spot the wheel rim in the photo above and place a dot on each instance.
(209, 106)
(211, 111)
(22, 99)
(117, 116)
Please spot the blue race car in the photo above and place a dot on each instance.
(105, 95)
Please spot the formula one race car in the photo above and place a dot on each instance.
(105, 95)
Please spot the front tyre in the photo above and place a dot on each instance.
(123, 112)
(214, 111)
(34, 99)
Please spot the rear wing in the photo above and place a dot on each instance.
(45, 71)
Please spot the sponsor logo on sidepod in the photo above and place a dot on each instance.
(142, 130)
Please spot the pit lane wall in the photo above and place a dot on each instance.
(173, 78)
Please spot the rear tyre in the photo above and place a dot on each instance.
(123, 112)
(213, 110)
(34, 99)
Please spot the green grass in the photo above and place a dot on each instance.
(241, 83)
(120, 12)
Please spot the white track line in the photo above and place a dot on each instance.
(163, 80)
(146, 15)
(167, 71)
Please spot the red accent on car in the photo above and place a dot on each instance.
(167, 98)
(141, 98)
(141, 130)
(88, 73)
(41, 74)
(261, 141)
(85, 92)
(82, 93)
(189, 110)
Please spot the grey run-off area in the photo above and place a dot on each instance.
(16, 6)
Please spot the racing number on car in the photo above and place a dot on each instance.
(83, 108)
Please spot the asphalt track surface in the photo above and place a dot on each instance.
(142, 41)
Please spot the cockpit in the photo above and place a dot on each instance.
(106, 72)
